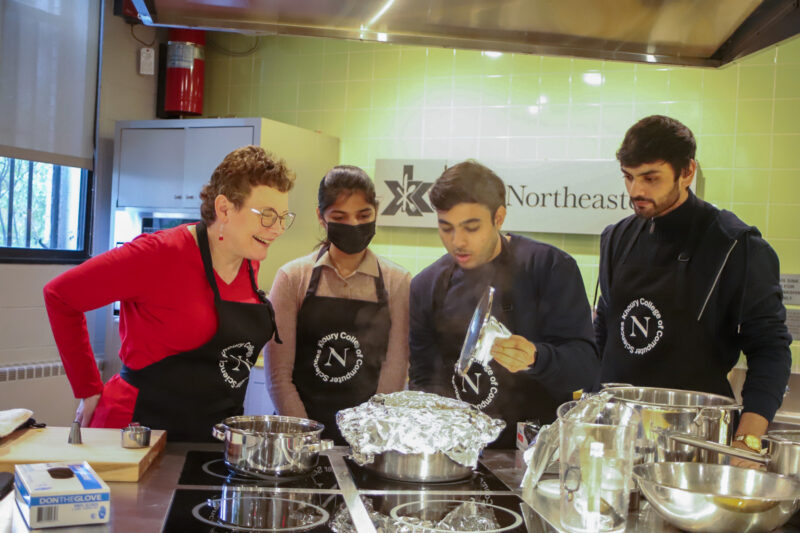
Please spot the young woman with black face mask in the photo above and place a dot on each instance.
(342, 312)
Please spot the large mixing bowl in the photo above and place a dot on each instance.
(418, 467)
(708, 416)
(718, 498)
(271, 445)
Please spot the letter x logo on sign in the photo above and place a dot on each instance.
(408, 195)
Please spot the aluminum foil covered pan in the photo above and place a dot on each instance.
(412, 422)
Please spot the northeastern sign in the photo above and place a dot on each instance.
(547, 196)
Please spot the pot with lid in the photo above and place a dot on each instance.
(271, 445)
(707, 416)
(417, 437)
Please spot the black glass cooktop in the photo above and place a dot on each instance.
(244, 509)
(451, 511)
(208, 468)
(482, 480)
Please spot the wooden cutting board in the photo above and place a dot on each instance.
(101, 448)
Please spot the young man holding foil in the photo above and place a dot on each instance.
(686, 287)
(539, 297)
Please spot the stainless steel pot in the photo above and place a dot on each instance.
(271, 445)
(708, 416)
(782, 457)
(418, 467)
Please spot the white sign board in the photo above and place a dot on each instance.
(545, 196)
(793, 322)
(791, 289)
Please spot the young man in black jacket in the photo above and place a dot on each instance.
(539, 297)
(686, 287)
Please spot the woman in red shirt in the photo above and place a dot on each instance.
(192, 320)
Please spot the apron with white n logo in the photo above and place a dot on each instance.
(491, 388)
(654, 338)
(341, 346)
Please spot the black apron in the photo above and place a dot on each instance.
(654, 337)
(341, 346)
(493, 389)
(187, 393)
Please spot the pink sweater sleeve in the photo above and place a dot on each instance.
(394, 371)
(279, 358)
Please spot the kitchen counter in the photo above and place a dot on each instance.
(142, 507)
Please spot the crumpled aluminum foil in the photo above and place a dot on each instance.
(469, 516)
(417, 422)
(343, 523)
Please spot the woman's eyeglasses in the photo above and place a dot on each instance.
(269, 217)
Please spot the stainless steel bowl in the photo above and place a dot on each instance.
(418, 467)
(718, 498)
(271, 445)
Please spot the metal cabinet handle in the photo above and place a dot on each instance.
(178, 196)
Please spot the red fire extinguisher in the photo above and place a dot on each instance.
(183, 88)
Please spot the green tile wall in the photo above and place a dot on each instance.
(388, 101)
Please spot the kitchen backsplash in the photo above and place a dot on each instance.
(387, 101)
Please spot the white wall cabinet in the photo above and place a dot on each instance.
(165, 167)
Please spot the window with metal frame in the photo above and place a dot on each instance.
(45, 212)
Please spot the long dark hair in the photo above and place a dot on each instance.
(344, 180)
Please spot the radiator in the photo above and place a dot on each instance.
(35, 370)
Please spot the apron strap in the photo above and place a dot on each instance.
(316, 274)
(506, 284)
(205, 253)
(380, 288)
(262, 296)
(440, 288)
(638, 225)
(695, 236)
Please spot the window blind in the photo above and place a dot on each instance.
(48, 80)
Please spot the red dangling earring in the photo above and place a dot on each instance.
(220, 231)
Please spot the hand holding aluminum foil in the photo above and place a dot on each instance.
(417, 422)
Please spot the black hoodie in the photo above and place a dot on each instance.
(736, 295)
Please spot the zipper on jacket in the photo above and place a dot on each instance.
(716, 280)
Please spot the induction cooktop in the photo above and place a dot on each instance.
(209, 468)
(251, 509)
(490, 513)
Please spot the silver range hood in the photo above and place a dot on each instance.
(681, 32)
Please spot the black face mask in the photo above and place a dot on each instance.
(351, 239)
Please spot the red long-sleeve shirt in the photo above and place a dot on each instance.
(167, 307)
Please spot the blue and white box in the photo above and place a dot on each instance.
(60, 494)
